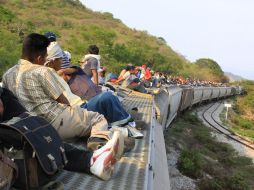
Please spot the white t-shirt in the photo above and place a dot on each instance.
(128, 78)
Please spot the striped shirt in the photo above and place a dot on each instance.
(36, 87)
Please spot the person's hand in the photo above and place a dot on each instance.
(60, 72)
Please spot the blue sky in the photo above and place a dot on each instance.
(222, 30)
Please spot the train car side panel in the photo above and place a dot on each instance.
(187, 98)
(207, 92)
(198, 92)
(175, 94)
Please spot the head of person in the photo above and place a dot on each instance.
(137, 70)
(35, 48)
(54, 58)
(93, 49)
(51, 36)
(132, 70)
(144, 66)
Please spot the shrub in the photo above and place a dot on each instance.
(190, 163)
(6, 15)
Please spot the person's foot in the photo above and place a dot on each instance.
(133, 132)
(103, 159)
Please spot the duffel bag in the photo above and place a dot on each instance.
(35, 147)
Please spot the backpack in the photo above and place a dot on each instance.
(8, 171)
(35, 147)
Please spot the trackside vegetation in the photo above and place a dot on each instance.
(241, 118)
(77, 27)
(241, 115)
(212, 164)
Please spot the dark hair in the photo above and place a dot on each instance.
(93, 49)
(34, 45)
(129, 68)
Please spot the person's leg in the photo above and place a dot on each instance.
(77, 122)
(140, 88)
(109, 106)
(78, 160)
(100, 162)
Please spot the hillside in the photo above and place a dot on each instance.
(232, 77)
(242, 117)
(77, 27)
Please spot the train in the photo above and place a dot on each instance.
(173, 100)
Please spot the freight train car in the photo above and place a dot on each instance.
(167, 104)
(187, 97)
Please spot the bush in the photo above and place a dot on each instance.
(6, 15)
(190, 163)
(235, 182)
(190, 117)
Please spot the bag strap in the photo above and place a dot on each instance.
(9, 162)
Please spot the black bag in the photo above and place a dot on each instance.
(35, 147)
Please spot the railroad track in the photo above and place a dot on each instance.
(208, 116)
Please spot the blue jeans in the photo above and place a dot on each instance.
(108, 105)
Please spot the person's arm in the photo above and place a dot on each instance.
(67, 71)
(52, 86)
(119, 80)
(95, 76)
(63, 100)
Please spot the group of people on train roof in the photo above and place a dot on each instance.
(44, 82)
(79, 101)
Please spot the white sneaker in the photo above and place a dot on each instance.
(135, 133)
(103, 159)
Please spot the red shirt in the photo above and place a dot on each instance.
(147, 75)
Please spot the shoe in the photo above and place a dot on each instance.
(94, 143)
(103, 159)
(134, 132)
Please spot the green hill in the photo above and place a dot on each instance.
(241, 118)
(77, 27)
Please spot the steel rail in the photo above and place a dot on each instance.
(230, 134)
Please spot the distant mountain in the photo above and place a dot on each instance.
(232, 77)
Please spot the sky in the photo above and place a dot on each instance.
(222, 30)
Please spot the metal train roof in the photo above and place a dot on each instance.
(137, 169)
